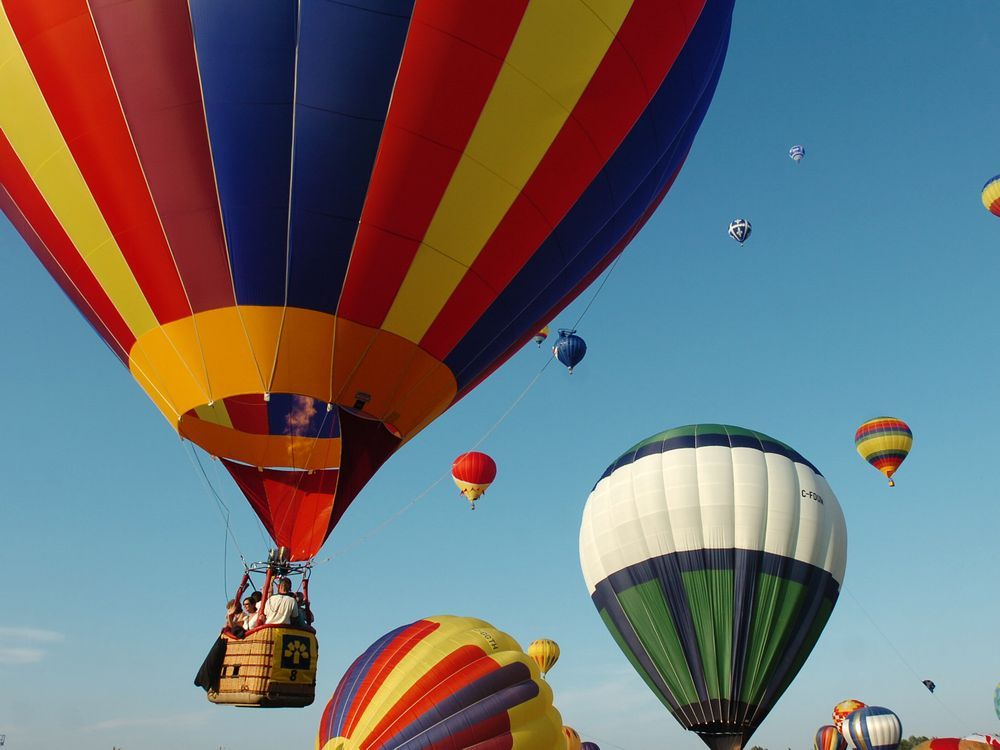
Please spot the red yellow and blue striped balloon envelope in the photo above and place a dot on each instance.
(442, 683)
(991, 195)
(309, 228)
(884, 442)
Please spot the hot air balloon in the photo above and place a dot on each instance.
(739, 230)
(844, 709)
(691, 542)
(543, 333)
(884, 442)
(306, 257)
(873, 728)
(545, 653)
(989, 740)
(972, 742)
(796, 153)
(473, 472)
(828, 738)
(570, 349)
(441, 682)
(572, 738)
(929, 684)
(589, 746)
(991, 195)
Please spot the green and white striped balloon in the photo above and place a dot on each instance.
(714, 555)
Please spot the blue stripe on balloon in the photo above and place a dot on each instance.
(349, 54)
(611, 205)
(351, 681)
(246, 58)
(703, 440)
(491, 695)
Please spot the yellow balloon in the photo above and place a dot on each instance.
(545, 653)
(572, 738)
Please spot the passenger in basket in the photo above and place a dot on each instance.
(281, 608)
(305, 613)
(249, 613)
(234, 618)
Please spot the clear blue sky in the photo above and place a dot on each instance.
(869, 287)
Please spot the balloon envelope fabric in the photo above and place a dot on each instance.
(828, 738)
(442, 683)
(873, 728)
(309, 228)
(714, 555)
(844, 709)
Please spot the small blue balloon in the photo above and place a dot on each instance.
(569, 349)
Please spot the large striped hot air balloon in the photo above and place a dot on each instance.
(884, 442)
(442, 683)
(991, 195)
(828, 737)
(309, 228)
(873, 728)
(545, 652)
(714, 555)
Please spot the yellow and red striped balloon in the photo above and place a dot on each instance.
(843, 709)
(545, 652)
(572, 738)
(473, 473)
(884, 442)
(991, 195)
(442, 683)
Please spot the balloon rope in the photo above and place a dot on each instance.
(220, 504)
(864, 611)
(380, 527)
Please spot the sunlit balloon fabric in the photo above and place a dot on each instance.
(714, 555)
(884, 442)
(828, 738)
(355, 210)
(873, 728)
(572, 739)
(991, 195)
(545, 652)
(473, 472)
(442, 683)
(844, 709)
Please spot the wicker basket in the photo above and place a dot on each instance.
(272, 667)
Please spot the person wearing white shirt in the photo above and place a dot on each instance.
(281, 608)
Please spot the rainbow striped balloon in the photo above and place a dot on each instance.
(991, 195)
(828, 737)
(442, 683)
(884, 442)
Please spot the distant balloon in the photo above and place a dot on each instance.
(884, 442)
(873, 728)
(739, 230)
(473, 472)
(991, 195)
(572, 738)
(570, 349)
(691, 542)
(543, 333)
(796, 152)
(828, 738)
(929, 684)
(442, 682)
(545, 653)
(843, 709)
